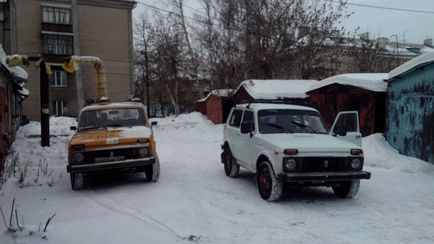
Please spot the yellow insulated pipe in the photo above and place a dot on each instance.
(101, 80)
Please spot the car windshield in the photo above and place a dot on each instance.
(112, 118)
(290, 121)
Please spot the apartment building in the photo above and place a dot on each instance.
(56, 29)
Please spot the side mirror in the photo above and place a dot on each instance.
(73, 127)
(154, 123)
(246, 127)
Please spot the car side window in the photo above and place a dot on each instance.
(248, 118)
(235, 120)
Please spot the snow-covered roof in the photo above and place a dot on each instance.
(24, 92)
(2, 56)
(259, 106)
(422, 60)
(368, 81)
(18, 72)
(218, 92)
(277, 89)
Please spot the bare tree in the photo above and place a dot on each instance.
(232, 40)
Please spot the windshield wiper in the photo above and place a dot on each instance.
(116, 125)
(91, 128)
(304, 126)
(278, 127)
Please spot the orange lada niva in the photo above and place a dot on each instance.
(112, 136)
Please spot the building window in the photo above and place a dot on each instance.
(59, 107)
(58, 44)
(56, 15)
(59, 78)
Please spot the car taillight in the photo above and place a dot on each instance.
(290, 151)
(142, 140)
(356, 151)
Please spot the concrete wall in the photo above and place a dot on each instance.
(410, 119)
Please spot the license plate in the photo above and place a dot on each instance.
(109, 159)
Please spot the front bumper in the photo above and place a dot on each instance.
(324, 176)
(84, 168)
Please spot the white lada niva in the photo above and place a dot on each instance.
(289, 144)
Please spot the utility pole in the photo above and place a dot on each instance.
(45, 105)
(147, 78)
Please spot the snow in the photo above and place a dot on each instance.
(368, 81)
(277, 89)
(24, 92)
(420, 61)
(136, 131)
(378, 153)
(219, 93)
(426, 49)
(194, 202)
(19, 73)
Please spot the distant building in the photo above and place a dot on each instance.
(410, 109)
(363, 54)
(362, 92)
(60, 28)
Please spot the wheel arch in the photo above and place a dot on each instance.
(263, 157)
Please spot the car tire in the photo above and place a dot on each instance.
(347, 189)
(270, 187)
(152, 172)
(232, 168)
(77, 181)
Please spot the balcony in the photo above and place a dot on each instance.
(52, 27)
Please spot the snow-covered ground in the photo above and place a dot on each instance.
(195, 202)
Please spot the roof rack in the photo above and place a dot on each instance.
(291, 101)
(104, 100)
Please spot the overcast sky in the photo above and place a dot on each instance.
(412, 26)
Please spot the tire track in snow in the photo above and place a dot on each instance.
(97, 198)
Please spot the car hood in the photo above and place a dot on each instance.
(309, 142)
(111, 136)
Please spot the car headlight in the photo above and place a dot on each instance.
(78, 157)
(143, 152)
(289, 164)
(356, 163)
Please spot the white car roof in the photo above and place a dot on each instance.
(260, 106)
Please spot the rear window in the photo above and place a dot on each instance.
(235, 119)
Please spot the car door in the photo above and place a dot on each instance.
(346, 127)
(246, 143)
(233, 131)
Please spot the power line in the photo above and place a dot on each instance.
(387, 8)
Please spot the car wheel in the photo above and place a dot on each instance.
(232, 168)
(77, 181)
(347, 189)
(152, 172)
(269, 186)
